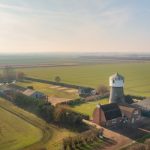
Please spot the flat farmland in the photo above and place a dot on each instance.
(137, 75)
(20, 129)
(16, 133)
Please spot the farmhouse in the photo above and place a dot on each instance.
(113, 114)
(107, 115)
(34, 94)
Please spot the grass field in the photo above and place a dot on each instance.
(50, 90)
(87, 108)
(19, 128)
(16, 133)
(137, 75)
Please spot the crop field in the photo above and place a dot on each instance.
(137, 75)
(87, 108)
(19, 129)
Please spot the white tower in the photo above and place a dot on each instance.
(116, 83)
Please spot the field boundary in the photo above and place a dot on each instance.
(55, 83)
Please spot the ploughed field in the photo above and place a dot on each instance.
(137, 75)
(20, 129)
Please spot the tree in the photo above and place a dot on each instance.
(9, 74)
(102, 89)
(57, 79)
(128, 99)
(20, 75)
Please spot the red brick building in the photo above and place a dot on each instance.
(107, 115)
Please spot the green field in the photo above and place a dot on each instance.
(19, 128)
(88, 108)
(49, 90)
(137, 75)
(16, 133)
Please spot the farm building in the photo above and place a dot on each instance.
(107, 115)
(113, 114)
(144, 106)
(34, 94)
(85, 92)
(130, 115)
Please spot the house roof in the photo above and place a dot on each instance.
(29, 92)
(143, 104)
(127, 108)
(111, 111)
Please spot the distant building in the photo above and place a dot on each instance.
(116, 82)
(34, 94)
(85, 92)
(107, 115)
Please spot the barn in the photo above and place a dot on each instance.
(107, 115)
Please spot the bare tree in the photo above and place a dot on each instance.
(20, 75)
(9, 74)
(102, 89)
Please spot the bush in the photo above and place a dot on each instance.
(84, 138)
(70, 119)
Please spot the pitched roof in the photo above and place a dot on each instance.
(29, 92)
(111, 111)
(127, 108)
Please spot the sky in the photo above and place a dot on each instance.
(74, 26)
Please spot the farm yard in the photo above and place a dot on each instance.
(20, 129)
(137, 81)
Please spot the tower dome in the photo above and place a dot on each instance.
(116, 80)
(116, 83)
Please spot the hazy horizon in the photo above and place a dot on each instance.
(73, 26)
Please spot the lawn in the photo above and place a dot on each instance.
(88, 108)
(136, 75)
(19, 128)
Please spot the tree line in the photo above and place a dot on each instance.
(78, 141)
(59, 115)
